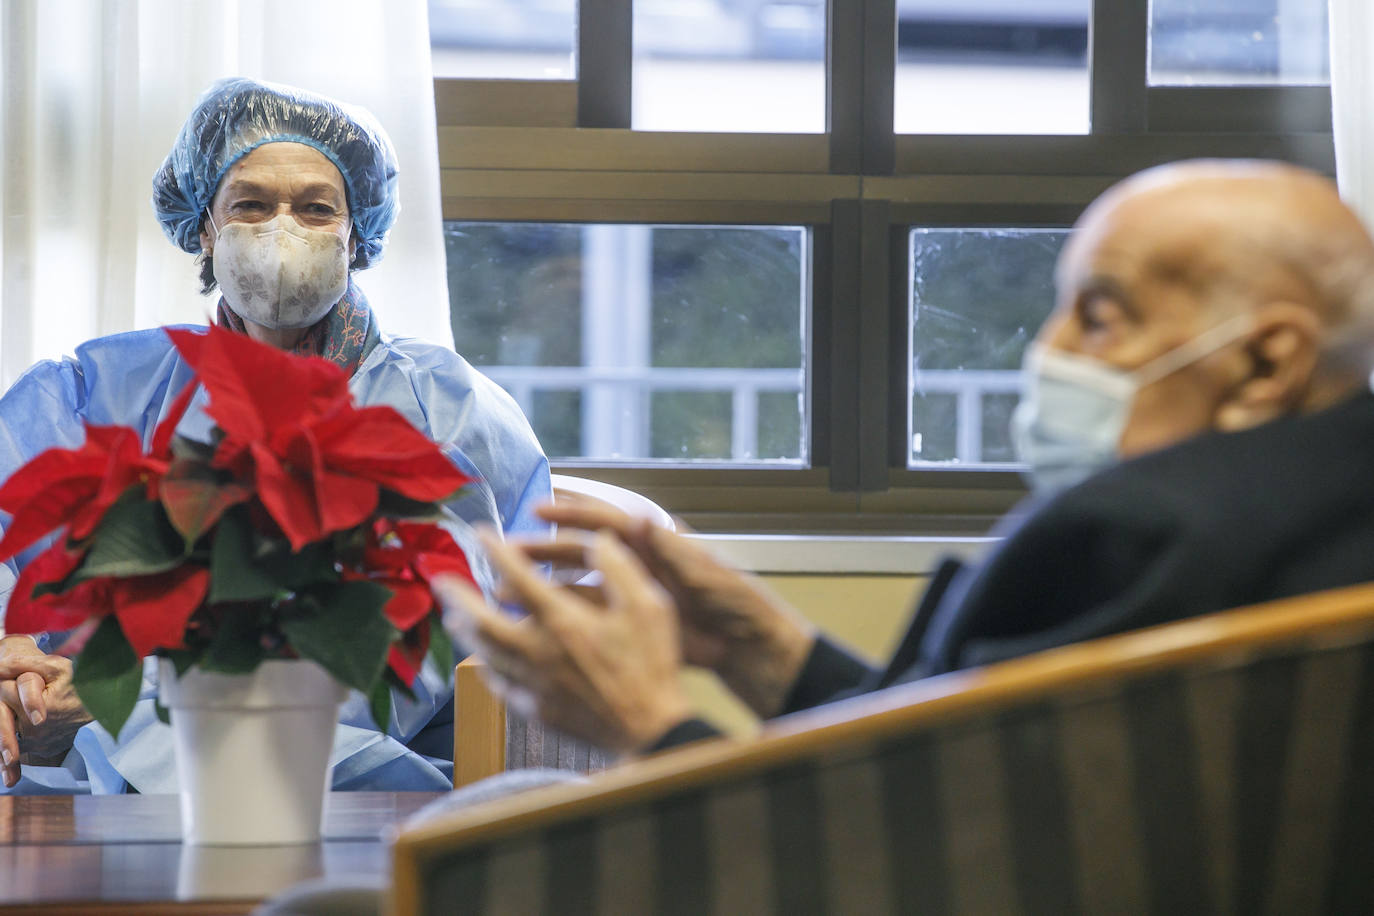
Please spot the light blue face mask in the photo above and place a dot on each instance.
(1074, 408)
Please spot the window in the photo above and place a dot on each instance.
(503, 39)
(787, 288)
(992, 67)
(977, 298)
(735, 65)
(640, 343)
(1238, 42)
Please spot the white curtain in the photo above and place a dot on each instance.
(1352, 101)
(93, 94)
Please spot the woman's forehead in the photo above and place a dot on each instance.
(287, 162)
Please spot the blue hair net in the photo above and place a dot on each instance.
(235, 116)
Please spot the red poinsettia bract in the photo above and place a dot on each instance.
(405, 556)
(75, 487)
(152, 610)
(318, 462)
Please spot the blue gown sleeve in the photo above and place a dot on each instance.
(48, 390)
(126, 380)
(48, 407)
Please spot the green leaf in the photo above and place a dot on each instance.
(163, 715)
(313, 565)
(182, 659)
(348, 546)
(195, 496)
(245, 566)
(440, 649)
(108, 675)
(345, 632)
(133, 539)
(192, 450)
(391, 504)
(379, 701)
(55, 588)
(234, 573)
(236, 647)
(46, 588)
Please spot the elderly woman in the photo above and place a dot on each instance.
(284, 194)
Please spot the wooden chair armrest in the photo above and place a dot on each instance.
(479, 726)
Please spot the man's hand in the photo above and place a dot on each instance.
(38, 703)
(605, 671)
(730, 621)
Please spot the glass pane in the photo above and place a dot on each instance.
(978, 296)
(641, 343)
(992, 67)
(1238, 42)
(503, 39)
(729, 65)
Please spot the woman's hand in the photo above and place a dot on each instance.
(40, 712)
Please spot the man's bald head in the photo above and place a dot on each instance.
(1170, 253)
(1241, 232)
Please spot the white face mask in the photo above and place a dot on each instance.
(1074, 408)
(278, 273)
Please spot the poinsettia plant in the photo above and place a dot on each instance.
(308, 527)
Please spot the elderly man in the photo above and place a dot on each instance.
(1197, 419)
(284, 194)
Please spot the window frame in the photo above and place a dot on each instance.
(563, 151)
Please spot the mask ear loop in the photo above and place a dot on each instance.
(1189, 352)
(211, 218)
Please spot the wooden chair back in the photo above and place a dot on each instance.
(1223, 764)
(489, 739)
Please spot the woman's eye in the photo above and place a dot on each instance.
(248, 205)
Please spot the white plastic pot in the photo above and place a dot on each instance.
(252, 751)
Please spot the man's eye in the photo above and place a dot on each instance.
(248, 205)
(1097, 313)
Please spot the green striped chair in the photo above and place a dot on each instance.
(1218, 765)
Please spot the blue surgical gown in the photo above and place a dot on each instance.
(131, 380)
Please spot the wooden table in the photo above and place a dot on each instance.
(122, 854)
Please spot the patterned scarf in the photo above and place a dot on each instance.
(344, 336)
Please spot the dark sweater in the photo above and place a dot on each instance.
(1220, 521)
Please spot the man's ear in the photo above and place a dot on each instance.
(1281, 357)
